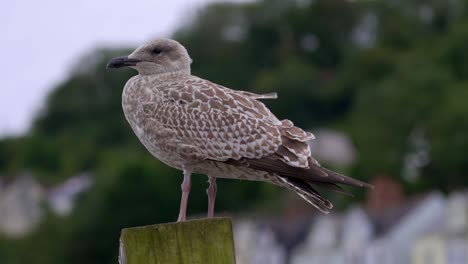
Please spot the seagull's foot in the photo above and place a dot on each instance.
(211, 191)
(186, 185)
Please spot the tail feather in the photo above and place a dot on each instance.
(342, 179)
(332, 187)
(302, 180)
(315, 173)
(308, 193)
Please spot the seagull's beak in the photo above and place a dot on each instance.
(122, 61)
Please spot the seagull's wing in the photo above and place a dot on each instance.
(216, 123)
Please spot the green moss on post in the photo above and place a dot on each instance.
(206, 241)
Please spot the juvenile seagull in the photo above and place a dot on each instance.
(198, 126)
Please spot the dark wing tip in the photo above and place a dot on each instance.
(342, 179)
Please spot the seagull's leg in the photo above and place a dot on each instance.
(186, 184)
(211, 191)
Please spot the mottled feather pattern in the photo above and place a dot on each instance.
(221, 123)
(186, 121)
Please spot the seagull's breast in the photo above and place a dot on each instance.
(139, 101)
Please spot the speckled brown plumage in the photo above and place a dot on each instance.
(198, 126)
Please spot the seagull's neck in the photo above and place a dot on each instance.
(168, 75)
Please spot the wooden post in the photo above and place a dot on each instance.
(204, 241)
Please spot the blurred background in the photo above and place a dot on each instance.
(382, 84)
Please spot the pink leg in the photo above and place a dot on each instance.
(211, 191)
(186, 184)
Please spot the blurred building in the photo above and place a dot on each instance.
(20, 206)
(321, 243)
(23, 201)
(246, 233)
(450, 244)
(62, 197)
(257, 244)
(390, 229)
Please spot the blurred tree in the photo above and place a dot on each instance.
(397, 90)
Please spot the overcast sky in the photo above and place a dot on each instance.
(41, 39)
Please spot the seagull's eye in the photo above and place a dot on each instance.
(156, 50)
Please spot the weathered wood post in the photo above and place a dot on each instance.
(205, 241)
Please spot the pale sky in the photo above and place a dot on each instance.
(41, 39)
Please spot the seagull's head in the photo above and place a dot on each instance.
(155, 57)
